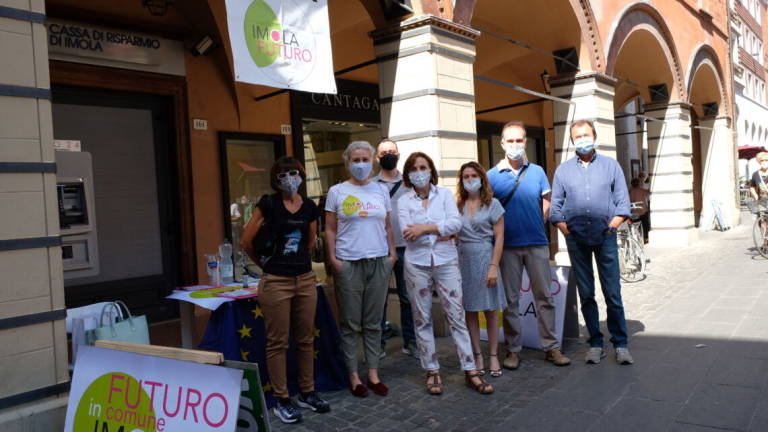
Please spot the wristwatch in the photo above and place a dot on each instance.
(612, 230)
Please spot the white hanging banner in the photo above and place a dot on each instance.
(282, 43)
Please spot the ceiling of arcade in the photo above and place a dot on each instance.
(705, 88)
(533, 23)
(643, 62)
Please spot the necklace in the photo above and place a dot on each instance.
(425, 197)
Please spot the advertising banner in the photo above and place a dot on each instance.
(558, 286)
(122, 391)
(282, 43)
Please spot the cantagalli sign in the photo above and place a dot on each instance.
(282, 43)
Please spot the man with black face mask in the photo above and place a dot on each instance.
(390, 176)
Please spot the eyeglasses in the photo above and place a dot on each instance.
(283, 175)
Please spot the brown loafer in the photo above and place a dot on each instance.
(556, 357)
(512, 361)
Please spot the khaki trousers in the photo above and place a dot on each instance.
(289, 305)
(535, 260)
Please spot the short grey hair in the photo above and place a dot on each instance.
(357, 145)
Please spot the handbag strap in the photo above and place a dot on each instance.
(508, 198)
(104, 310)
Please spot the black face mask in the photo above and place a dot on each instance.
(388, 161)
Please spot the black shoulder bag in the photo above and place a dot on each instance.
(508, 198)
(395, 188)
(265, 241)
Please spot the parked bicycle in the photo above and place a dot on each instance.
(632, 258)
(760, 229)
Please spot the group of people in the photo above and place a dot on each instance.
(467, 247)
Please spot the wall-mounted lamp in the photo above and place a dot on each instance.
(545, 81)
(203, 46)
(157, 7)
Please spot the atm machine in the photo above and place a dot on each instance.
(77, 214)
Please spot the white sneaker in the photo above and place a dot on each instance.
(623, 357)
(594, 355)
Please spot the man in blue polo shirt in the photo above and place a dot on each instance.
(523, 190)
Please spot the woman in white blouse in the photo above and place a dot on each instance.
(429, 219)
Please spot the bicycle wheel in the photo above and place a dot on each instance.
(760, 235)
(634, 262)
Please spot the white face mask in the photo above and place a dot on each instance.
(764, 165)
(420, 178)
(515, 152)
(472, 185)
(361, 170)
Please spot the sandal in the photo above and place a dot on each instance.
(434, 386)
(495, 373)
(474, 381)
(480, 370)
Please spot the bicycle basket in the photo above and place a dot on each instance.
(757, 206)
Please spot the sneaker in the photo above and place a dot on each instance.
(594, 355)
(286, 411)
(312, 401)
(623, 357)
(556, 357)
(410, 350)
(512, 361)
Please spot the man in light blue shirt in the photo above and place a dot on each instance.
(589, 202)
(523, 190)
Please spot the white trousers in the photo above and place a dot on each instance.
(446, 280)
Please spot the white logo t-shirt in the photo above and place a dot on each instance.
(361, 214)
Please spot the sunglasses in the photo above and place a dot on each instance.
(283, 175)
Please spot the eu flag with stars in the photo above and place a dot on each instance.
(236, 329)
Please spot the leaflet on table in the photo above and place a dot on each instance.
(213, 297)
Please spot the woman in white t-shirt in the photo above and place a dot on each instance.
(430, 219)
(361, 250)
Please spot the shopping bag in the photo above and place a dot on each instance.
(128, 328)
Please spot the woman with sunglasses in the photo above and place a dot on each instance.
(287, 292)
(430, 219)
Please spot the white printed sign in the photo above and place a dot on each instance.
(282, 43)
(558, 286)
(121, 391)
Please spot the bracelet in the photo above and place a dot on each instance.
(495, 265)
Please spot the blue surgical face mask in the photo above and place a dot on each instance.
(584, 145)
(472, 185)
(361, 170)
(290, 184)
(420, 178)
(515, 152)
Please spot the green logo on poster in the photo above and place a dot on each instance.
(116, 401)
(263, 33)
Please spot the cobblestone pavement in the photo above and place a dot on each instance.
(700, 341)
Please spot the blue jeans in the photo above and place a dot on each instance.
(406, 316)
(607, 257)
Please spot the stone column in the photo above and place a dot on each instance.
(33, 341)
(592, 96)
(671, 173)
(426, 86)
(718, 171)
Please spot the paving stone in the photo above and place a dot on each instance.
(720, 406)
(667, 382)
(632, 414)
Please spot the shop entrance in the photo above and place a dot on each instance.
(131, 141)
